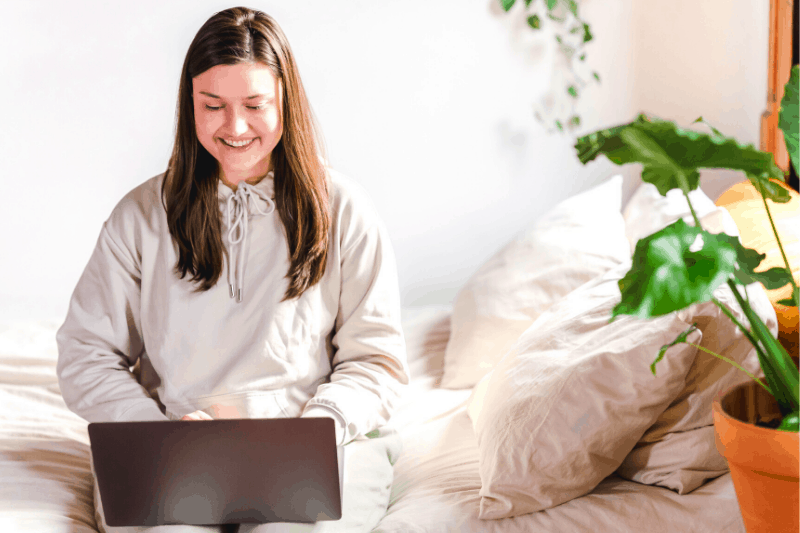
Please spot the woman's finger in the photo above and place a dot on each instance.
(197, 415)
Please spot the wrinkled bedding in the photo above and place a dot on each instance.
(436, 484)
(46, 483)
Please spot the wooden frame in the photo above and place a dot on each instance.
(780, 65)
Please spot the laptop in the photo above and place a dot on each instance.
(226, 471)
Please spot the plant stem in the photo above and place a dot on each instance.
(780, 247)
(685, 188)
(728, 313)
(733, 363)
(747, 332)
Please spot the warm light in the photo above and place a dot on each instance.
(747, 208)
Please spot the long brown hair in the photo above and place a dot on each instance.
(243, 35)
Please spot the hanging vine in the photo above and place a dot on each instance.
(571, 33)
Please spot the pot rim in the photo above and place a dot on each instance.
(717, 408)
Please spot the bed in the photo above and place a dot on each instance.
(438, 486)
(46, 486)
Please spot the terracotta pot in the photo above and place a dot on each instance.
(764, 462)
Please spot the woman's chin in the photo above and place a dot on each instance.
(237, 168)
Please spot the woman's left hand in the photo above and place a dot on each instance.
(197, 415)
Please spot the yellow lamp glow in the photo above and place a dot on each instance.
(747, 209)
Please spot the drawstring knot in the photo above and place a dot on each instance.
(237, 219)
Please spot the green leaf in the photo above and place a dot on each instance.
(553, 17)
(790, 117)
(678, 340)
(573, 92)
(576, 29)
(673, 156)
(572, 5)
(534, 22)
(587, 34)
(715, 130)
(770, 190)
(748, 259)
(772, 279)
(507, 4)
(778, 367)
(528, 3)
(575, 120)
(670, 271)
(659, 168)
(559, 125)
(790, 422)
(596, 76)
(551, 4)
(792, 301)
(583, 57)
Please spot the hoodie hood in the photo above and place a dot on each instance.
(237, 207)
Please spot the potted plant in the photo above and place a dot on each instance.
(756, 423)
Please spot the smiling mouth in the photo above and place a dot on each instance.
(238, 144)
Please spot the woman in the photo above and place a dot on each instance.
(307, 321)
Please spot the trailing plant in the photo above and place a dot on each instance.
(683, 264)
(571, 34)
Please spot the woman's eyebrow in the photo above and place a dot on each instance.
(246, 98)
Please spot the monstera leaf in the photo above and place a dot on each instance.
(672, 156)
(789, 117)
(770, 189)
(682, 264)
(748, 259)
(674, 268)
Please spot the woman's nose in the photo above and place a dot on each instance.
(238, 122)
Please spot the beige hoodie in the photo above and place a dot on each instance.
(336, 351)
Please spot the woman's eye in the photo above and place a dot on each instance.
(212, 108)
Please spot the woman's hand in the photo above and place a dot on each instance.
(198, 415)
(217, 410)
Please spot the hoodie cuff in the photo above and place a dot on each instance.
(318, 411)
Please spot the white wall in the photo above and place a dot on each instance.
(704, 58)
(427, 104)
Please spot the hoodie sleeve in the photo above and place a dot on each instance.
(369, 364)
(101, 338)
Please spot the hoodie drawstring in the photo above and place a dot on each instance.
(237, 218)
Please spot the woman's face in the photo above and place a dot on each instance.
(238, 104)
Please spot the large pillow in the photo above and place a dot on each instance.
(577, 240)
(568, 402)
(679, 451)
(648, 211)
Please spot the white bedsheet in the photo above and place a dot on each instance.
(46, 484)
(45, 481)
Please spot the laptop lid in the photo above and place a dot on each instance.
(217, 471)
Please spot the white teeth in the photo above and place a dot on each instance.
(238, 144)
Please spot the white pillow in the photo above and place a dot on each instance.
(648, 211)
(678, 451)
(569, 401)
(577, 240)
